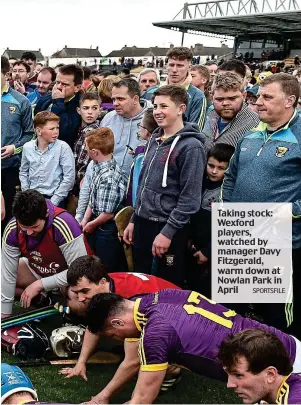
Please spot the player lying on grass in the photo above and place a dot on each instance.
(174, 327)
(87, 277)
(48, 238)
(259, 368)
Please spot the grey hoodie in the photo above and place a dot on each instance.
(170, 183)
(125, 133)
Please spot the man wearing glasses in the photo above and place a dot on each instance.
(64, 100)
(20, 74)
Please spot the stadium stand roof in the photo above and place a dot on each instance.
(229, 18)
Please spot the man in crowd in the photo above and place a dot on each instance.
(200, 76)
(20, 74)
(16, 130)
(179, 62)
(149, 81)
(11, 63)
(45, 77)
(231, 117)
(38, 68)
(212, 66)
(259, 368)
(191, 326)
(31, 59)
(266, 167)
(64, 101)
(124, 121)
(48, 239)
(233, 65)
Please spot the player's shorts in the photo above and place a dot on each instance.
(25, 261)
(297, 362)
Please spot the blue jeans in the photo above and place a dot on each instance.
(106, 245)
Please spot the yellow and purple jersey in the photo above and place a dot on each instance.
(185, 328)
(290, 390)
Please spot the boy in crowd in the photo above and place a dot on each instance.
(146, 128)
(107, 192)
(199, 276)
(200, 76)
(89, 109)
(47, 163)
(170, 188)
(20, 75)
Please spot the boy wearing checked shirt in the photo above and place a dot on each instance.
(107, 192)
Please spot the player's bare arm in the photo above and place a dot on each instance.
(125, 372)
(88, 347)
(147, 387)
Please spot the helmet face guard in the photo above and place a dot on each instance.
(67, 340)
(32, 343)
(14, 380)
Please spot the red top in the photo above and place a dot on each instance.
(129, 284)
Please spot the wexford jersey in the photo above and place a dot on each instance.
(130, 284)
(290, 390)
(185, 328)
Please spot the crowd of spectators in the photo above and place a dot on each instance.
(84, 145)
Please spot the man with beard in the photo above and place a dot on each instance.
(231, 117)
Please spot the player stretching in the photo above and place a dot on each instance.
(87, 277)
(175, 327)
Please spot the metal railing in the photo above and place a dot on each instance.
(224, 8)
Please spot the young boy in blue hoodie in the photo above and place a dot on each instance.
(199, 274)
(170, 187)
